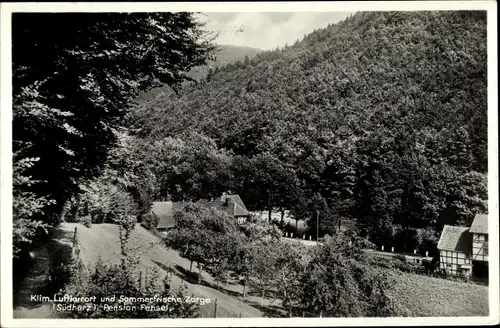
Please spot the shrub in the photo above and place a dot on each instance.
(149, 221)
(123, 280)
(86, 221)
(62, 268)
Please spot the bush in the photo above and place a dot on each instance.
(86, 221)
(149, 221)
(104, 281)
(62, 268)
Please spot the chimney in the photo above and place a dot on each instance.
(224, 199)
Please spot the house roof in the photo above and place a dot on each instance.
(457, 239)
(165, 210)
(234, 207)
(480, 224)
(165, 213)
(237, 200)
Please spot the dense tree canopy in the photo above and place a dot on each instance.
(70, 93)
(70, 96)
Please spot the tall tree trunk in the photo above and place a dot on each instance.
(269, 216)
(282, 223)
(191, 266)
(406, 239)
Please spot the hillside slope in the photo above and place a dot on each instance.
(382, 116)
(436, 297)
(224, 55)
(101, 240)
(371, 72)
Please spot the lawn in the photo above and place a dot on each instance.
(102, 240)
(421, 295)
(427, 296)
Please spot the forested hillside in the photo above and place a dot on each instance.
(381, 118)
(223, 55)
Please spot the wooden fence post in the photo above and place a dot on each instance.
(215, 309)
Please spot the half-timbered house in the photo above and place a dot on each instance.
(463, 251)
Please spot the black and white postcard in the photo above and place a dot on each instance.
(248, 164)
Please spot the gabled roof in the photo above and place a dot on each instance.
(165, 210)
(457, 239)
(237, 200)
(239, 211)
(234, 207)
(480, 224)
(165, 213)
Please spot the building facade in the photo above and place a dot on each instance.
(479, 231)
(463, 249)
(231, 204)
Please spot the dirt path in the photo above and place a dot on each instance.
(34, 284)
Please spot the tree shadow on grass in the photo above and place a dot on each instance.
(222, 289)
(191, 277)
(271, 311)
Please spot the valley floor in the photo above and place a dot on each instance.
(421, 295)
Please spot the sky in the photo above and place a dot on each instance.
(266, 30)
